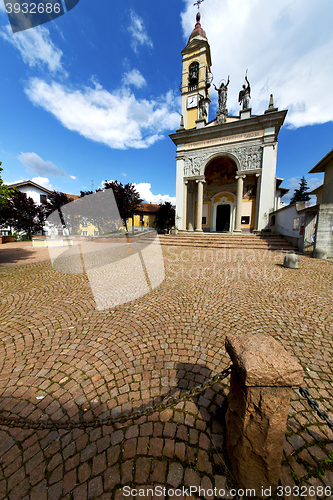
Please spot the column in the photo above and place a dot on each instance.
(240, 179)
(190, 211)
(185, 211)
(258, 176)
(199, 205)
(180, 201)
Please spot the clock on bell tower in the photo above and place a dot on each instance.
(196, 77)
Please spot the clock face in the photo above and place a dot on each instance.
(192, 101)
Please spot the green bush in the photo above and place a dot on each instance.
(21, 237)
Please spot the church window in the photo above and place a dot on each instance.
(193, 77)
(245, 220)
(204, 219)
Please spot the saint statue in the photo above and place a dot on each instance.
(201, 108)
(244, 95)
(223, 91)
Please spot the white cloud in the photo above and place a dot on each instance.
(43, 181)
(144, 189)
(116, 119)
(138, 32)
(286, 46)
(135, 78)
(35, 47)
(40, 166)
(95, 81)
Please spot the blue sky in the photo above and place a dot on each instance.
(93, 95)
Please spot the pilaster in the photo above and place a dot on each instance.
(240, 183)
(200, 183)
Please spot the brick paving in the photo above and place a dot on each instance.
(21, 252)
(62, 359)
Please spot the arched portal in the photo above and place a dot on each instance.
(219, 199)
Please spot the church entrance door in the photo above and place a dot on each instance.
(223, 218)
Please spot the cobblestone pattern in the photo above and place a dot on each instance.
(60, 358)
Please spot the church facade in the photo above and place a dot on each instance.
(226, 168)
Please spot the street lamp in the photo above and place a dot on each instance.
(133, 198)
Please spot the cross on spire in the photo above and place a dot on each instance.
(197, 3)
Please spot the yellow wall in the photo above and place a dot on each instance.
(207, 225)
(138, 223)
(90, 228)
(248, 210)
(192, 116)
(201, 55)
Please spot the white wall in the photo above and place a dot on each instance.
(32, 192)
(284, 221)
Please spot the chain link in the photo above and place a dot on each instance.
(314, 405)
(26, 423)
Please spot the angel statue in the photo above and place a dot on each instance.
(223, 91)
(244, 95)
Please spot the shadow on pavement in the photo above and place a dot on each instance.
(13, 254)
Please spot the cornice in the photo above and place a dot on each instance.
(255, 123)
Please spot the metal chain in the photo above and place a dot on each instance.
(314, 405)
(26, 423)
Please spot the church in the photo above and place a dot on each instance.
(226, 168)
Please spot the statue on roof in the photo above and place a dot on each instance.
(223, 91)
(244, 95)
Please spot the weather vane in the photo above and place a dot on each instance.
(197, 3)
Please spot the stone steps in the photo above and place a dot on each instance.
(228, 241)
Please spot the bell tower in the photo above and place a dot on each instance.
(196, 78)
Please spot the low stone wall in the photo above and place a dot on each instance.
(7, 239)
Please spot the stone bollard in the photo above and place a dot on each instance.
(258, 406)
(292, 261)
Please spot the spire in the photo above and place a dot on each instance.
(197, 29)
(271, 107)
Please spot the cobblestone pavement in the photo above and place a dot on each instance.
(61, 358)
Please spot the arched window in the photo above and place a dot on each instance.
(193, 76)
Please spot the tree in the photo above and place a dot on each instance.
(5, 192)
(23, 214)
(54, 201)
(302, 193)
(100, 210)
(165, 216)
(123, 196)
